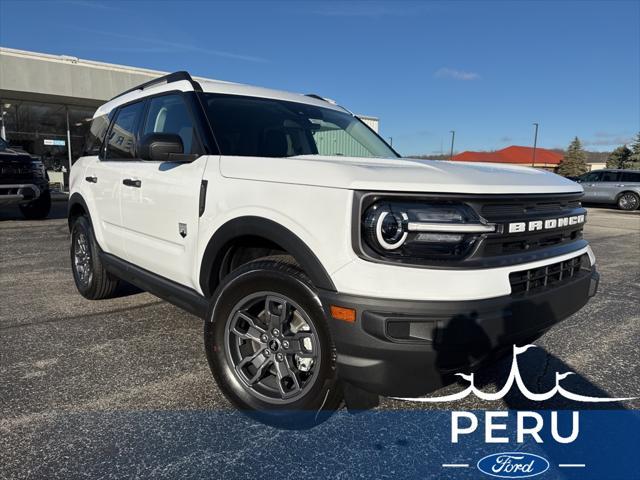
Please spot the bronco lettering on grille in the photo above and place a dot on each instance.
(542, 225)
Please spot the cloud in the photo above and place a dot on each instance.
(90, 4)
(605, 139)
(370, 9)
(621, 140)
(446, 72)
(169, 46)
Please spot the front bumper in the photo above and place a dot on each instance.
(19, 192)
(409, 348)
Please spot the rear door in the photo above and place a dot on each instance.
(160, 200)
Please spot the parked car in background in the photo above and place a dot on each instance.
(23, 182)
(619, 187)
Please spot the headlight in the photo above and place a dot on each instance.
(38, 167)
(419, 231)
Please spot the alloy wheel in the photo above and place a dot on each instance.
(273, 347)
(82, 258)
(628, 201)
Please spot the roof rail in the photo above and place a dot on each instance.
(172, 77)
(318, 97)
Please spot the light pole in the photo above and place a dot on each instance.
(535, 144)
(453, 138)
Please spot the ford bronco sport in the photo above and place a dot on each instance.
(23, 182)
(326, 267)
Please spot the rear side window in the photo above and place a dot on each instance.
(630, 177)
(170, 114)
(96, 134)
(609, 177)
(121, 138)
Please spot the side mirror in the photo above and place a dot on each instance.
(163, 147)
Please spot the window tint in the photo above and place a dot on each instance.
(264, 127)
(609, 177)
(170, 114)
(591, 177)
(630, 177)
(121, 141)
(96, 135)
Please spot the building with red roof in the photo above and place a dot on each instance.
(514, 155)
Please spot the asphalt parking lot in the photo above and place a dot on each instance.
(121, 387)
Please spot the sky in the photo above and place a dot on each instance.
(487, 70)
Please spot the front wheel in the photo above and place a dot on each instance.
(628, 201)
(269, 346)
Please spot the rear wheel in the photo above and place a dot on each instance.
(91, 278)
(39, 208)
(628, 201)
(269, 345)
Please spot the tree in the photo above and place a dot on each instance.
(573, 163)
(620, 158)
(635, 149)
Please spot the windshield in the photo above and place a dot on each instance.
(263, 127)
(3, 145)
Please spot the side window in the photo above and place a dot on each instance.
(592, 177)
(170, 114)
(630, 177)
(96, 134)
(609, 176)
(121, 138)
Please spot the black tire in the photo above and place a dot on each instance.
(628, 201)
(91, 278)
(39, 208)
(312, 400)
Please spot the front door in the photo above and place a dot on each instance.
(104, 176)
(590, 182)
(160, 200)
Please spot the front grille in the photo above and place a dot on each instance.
(525, 210)
(528, 208)
(544, 277)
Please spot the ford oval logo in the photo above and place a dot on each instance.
(513, 465)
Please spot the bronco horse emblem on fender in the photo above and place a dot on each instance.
(515, 377)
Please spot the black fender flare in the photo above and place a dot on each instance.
(269, 230)
(76, 199)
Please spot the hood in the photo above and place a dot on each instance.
(397, 174)
(14, 156)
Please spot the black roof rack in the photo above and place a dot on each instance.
(317, 97)
(172, 77)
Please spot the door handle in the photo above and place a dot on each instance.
(129, 182)
(91, 179)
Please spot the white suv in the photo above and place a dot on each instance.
(325, 266)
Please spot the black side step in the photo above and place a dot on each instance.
(179, 295)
